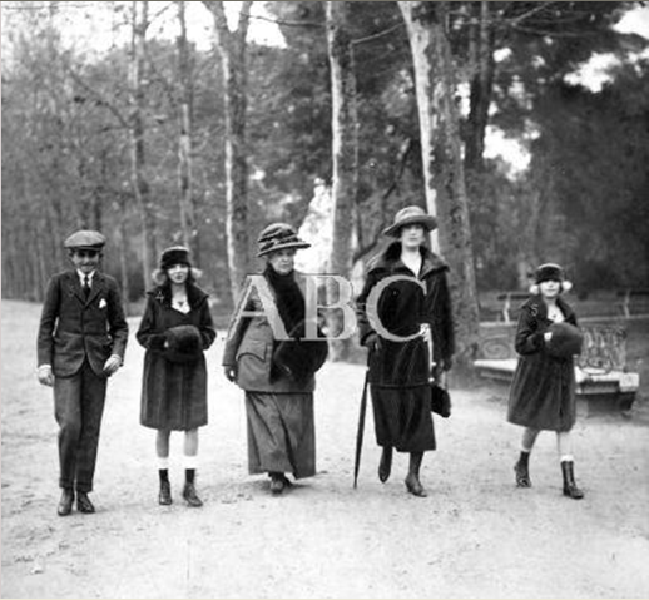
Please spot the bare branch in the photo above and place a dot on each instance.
(79, 80)
(541, 6)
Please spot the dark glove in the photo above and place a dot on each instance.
(373, 342)
(157, 341)
(447, 364)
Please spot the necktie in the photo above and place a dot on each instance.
(86, 285)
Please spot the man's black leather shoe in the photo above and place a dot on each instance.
(83, 503)
(65, 503)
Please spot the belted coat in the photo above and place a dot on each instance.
(542, 394)
(73, 328)
(402, 307)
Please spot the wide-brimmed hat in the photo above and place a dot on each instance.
(278, 236)
(87, 239)
(410, 215)
(549, 272)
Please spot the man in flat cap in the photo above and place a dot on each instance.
(81, 342)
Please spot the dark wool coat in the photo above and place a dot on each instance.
(174, 394)
(403, 307)
(73, 329)
(249, 348)
(542, 395)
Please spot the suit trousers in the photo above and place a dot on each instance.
(78, 409)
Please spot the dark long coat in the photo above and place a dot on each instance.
(174, 394)
(400, 370)
(73, 329)
(402, 307)
(542, 394)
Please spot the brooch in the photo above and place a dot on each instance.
(102, 303)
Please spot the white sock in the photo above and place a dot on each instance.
(163, 462)
(567, 458)
(191, 462)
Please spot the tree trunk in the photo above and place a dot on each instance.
(481, 89)
(442, 162)
(184, 135)
(123, 255)
(420, 18)
(232, 50)
(138, 176)
(343, 191)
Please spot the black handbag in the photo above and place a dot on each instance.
(440, 401)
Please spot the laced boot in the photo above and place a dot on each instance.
(569, 485)
(164, 497)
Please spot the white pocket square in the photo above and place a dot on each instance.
(102, 303)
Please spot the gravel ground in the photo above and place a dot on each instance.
(474, 536)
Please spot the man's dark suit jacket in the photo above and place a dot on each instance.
(73, 328)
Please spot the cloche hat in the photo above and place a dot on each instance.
(549, 272)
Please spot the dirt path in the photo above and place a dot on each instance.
(475, 536)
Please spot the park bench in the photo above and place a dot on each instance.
(497, 306)
(634, 302)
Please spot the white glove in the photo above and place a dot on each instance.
(113, 363)
(45, 376)
(547, 336)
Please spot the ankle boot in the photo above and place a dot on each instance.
(164, 497)
(569, 485)
(276, 483)
(522, 470)
(385, 466)
(190, 496)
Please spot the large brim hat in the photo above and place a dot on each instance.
(279, 236)
(87, 239)
(549, 272)
(410, 215)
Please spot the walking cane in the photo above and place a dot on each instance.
(361, 427)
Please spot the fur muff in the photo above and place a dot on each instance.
(300, 358)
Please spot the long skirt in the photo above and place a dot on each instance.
(281, 433)
(402, 418)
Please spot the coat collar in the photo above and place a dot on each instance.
(195, 297)
(390, 260)
(539, 308)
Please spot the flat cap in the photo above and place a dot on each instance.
(85, 238)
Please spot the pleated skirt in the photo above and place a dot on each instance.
(281, 433)
(402, 418)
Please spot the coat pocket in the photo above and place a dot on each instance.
(253, 365)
